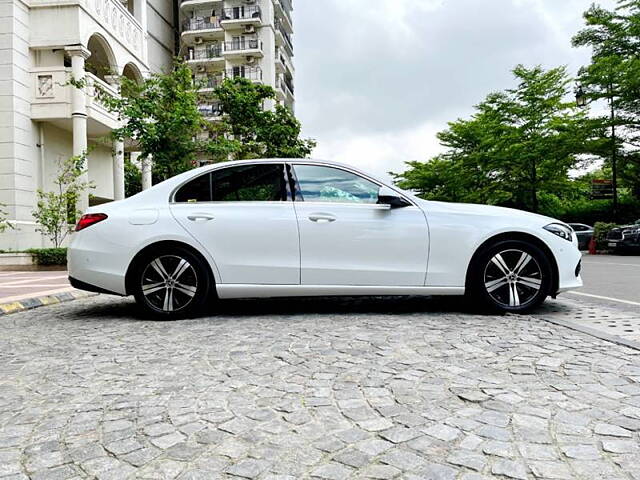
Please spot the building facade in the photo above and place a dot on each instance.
(238, 38)
(45, 43)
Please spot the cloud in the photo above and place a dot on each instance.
(377, 80)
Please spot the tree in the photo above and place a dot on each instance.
(247, 131)
(614, 76)
(56, 211)
(517, 147)
(160, 115)
(132, 179)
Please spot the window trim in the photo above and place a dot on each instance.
(211, 171)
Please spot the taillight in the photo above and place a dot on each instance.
(89, 219)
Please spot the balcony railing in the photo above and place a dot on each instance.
(201, 23)
(117, 20)
(287, 37)
(210, 110)
(207, 53)
(243, 44)
(209, 82)
(250, 73)
(241, 13)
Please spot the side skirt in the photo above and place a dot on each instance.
(267, 291)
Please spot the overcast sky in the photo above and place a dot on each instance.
(376, 79)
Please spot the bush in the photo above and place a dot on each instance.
(592, 211)
(600, 230)
(49, 256)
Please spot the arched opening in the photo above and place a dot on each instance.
(102, 61)
(132, 73)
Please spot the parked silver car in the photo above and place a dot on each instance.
(584, 234)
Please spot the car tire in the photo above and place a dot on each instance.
(510, 276)
(170, 284)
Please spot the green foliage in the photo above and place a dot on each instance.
(56, 211)
(49, 256)
(248, 131)
(600, 230)
(4, 224)
(132, 179)
(516, 150)
(614, 75)
(160, 115)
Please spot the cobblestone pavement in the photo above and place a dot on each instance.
(333, 389)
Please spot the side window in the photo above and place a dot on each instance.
(197, 190)
(250, 183)
(327, 184)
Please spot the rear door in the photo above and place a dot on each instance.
(243, 215)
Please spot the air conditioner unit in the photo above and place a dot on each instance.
(201, 69)
(251, 60)
(249, 29)
(249, 2)
(197, 40)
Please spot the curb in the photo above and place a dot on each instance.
(593, 332)
(35, 302)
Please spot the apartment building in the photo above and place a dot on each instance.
(43, 119)
(238, 38)
(45, 43)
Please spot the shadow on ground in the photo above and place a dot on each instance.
(115, 307)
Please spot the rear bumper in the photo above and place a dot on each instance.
(80, 285)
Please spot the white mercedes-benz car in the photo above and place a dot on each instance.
(282, 228)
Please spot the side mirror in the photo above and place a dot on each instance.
(386, 196)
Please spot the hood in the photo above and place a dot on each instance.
(486, 210)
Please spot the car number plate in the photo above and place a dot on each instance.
(612, 244)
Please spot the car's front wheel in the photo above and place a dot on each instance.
(170, 284)
(511, 276)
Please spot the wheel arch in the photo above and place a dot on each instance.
(164, 244)
(522, 236)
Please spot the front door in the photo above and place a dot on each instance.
(244, 217)
(347, 238)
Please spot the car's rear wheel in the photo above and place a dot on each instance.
(511, 276)
(171, 284)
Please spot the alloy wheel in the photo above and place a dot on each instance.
(169, 283)
(513, 278)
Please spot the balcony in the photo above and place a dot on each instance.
(283, 12)
(201, 29)
(283, 62)
(250, 73)
(245, 47)
(205, 54)
(210, 111)
(283, 39)
(70, 22)
(52, 100)
(241, 17)
(209, 83)
(188, 4)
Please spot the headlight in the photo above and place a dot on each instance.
(563, 231)
(631, 231)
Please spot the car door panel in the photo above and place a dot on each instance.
(362, 245)
(251, 242)
(244, 217)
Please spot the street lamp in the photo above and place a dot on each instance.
(581, 97)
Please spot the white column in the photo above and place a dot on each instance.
(118, 170)
(118, 151)
(78, 55)
(145, 166)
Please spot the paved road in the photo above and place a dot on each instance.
(611, 276)
(18, 285)
(333, 389)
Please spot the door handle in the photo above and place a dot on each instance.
(322, 217)
(200, 216)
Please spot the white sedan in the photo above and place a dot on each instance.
(282, 228)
